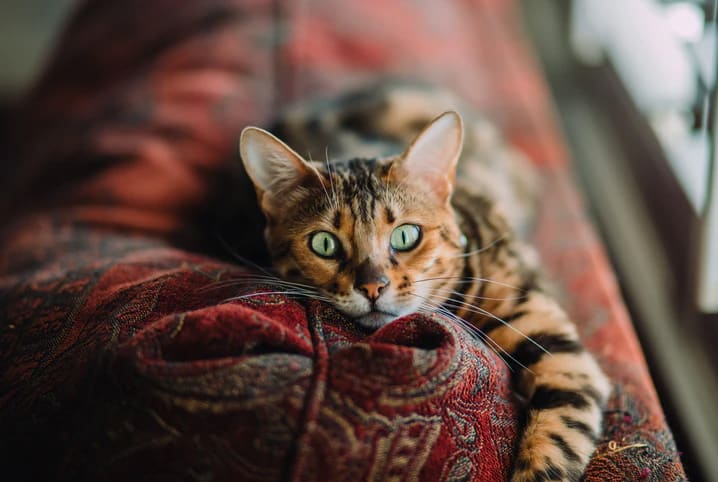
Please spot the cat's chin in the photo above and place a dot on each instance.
(375, 319)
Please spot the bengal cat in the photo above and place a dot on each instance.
(435, 228)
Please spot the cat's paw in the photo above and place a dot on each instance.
(544, 465)
(545, 472)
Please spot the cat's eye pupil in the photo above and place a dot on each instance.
(324, 244)
(405, 237)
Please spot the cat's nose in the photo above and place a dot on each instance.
(373, 290)
(370, 280)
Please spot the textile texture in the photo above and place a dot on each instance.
(123, 357)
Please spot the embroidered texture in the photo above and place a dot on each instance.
(116, 363)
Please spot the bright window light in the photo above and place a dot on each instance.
(686, 21)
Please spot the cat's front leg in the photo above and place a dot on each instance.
(565, 388)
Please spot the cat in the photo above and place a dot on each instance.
(435, 228)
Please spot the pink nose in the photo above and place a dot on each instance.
(373, 290)
(370, 280)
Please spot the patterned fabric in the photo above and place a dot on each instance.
(121, 356)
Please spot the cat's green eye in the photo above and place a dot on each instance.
(324, 244)
(405, 237)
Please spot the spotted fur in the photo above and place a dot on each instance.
(468, 264)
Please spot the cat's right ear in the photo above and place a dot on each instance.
(275, 169)
(432, 156)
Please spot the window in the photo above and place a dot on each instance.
(664, 53)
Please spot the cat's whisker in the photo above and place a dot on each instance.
(272, 293)
(483, 248)
(289, 287)
(273, 280)
(465, 280)
(481, 311)
(437, 308)
(331, 178)
(241, 258)
(326, 193)
(487, 340)
(474, 330)
(254, 279)
(257, 283)
(476, 297)
(430, 308)
(223, 283)
(475, 309)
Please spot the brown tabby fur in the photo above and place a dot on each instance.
(468, 265)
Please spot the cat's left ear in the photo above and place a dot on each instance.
(275, 169)
(432, 156)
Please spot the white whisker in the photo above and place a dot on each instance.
(474, 330)
(240, 258)
(326, 193)
(255, 279)
(331, 178)
(271, 293)
(481, 311)
(476, 297)
(482, 249)
(464, 280)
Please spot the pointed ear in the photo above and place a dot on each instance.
(274, 168)
(432, 156)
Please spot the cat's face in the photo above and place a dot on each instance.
(377, 238)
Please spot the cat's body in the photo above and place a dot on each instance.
(381, 234)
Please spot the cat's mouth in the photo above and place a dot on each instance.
(375, 319)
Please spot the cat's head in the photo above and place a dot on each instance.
(377, 237)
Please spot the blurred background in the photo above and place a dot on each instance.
(634, 87)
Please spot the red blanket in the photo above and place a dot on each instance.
(120, 354)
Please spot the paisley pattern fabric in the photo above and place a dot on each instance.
(122, 355)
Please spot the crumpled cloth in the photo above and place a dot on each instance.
(122, 354)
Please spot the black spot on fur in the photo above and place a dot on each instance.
(529, 285)
(522, 464)
(547, 397)
(527, 353)
(566, 449)
(580, 427)
(472, 233)
(593, 394)
(390, 218)
(343, 265)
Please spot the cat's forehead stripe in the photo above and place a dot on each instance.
(390, 218)
(360, 187)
